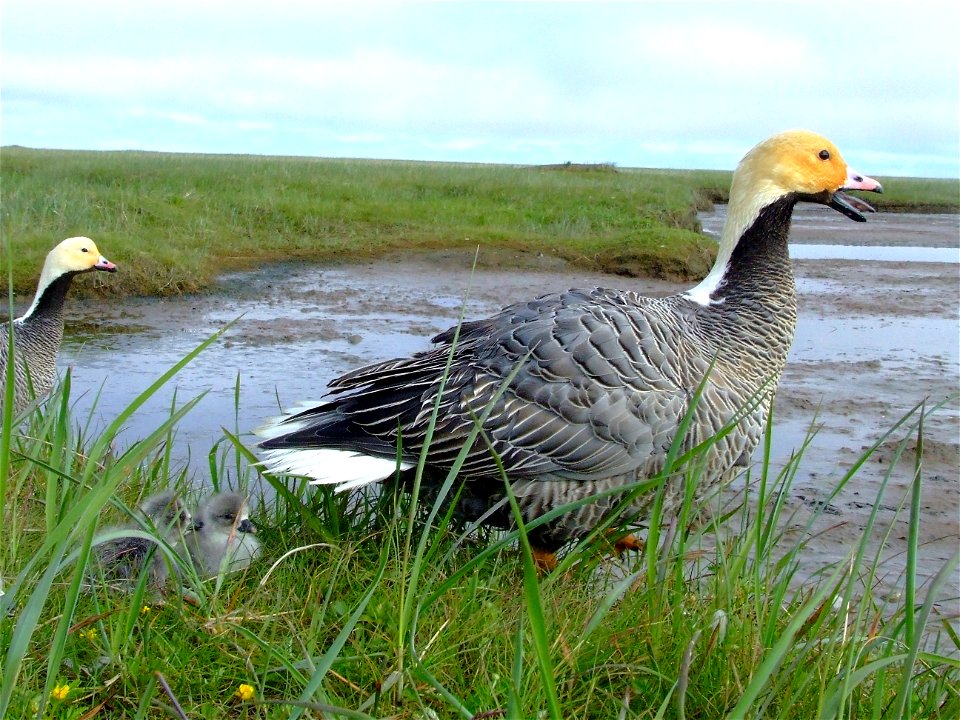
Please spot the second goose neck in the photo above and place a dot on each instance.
(47, 307)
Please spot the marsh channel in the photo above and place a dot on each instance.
(878, 334)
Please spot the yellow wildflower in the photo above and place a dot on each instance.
(60, 692)
(244, 692)
(145, 609)
(89, 634)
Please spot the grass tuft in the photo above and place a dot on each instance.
(372, 605)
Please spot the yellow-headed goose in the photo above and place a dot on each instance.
(38, 332)
(605, 375)
(222, 535)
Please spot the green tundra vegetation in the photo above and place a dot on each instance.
(375, 605)
(176, 221)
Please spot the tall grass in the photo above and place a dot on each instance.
(377, 605)
(174, 222)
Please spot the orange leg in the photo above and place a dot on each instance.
(544, 559)
(628, 542)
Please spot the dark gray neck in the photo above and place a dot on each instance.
(754, 313)
(49, 306)
(759, 268)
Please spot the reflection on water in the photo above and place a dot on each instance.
(899, 237)
(318, 323)
(270, 377)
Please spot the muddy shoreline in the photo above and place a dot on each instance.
(874, 340)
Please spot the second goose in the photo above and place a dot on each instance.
(38, 332)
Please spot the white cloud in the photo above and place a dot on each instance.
(716, 51)
(103, 76)
(629, 82)
(253, 125)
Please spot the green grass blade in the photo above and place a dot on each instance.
(24, 628)
(609, 600)
(534, 608)
(59, 641)
(902, 705)
(839, 688)
(776, 655)
(913, 538)
(330, 656)
(514, 690)
(6, 419)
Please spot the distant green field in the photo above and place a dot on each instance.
(175, 221)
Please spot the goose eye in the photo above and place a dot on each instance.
(824, 154)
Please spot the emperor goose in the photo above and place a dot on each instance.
(603, 377)
(38, 332)
(124, 558)
(222, 535)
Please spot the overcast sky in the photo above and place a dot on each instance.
(690, 85)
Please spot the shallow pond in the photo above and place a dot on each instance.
(873, 340)
(300, 326)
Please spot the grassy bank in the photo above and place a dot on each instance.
(900, 194)
(364, 609)
(174, 222)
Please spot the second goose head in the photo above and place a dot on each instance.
(72, 256)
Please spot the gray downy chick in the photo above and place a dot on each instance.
(222, 535)
(124, 559)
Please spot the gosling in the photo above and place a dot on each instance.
(222, 536)
(122, 560)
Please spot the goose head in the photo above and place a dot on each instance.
(802, 164)
(797, 166)
(76, 255)
(72, 256)
(225, 513)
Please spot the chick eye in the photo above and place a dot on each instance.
(824, 154)
(84, 250)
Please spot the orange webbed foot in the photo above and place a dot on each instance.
(628, 542)
(544, 560)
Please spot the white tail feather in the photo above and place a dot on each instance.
(281, 425)
(345, 469)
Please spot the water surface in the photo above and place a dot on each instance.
(301, 326)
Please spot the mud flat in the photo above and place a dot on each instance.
(874, 339)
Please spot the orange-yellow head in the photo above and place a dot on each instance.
(802, 163)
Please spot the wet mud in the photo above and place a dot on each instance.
(874, 340)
